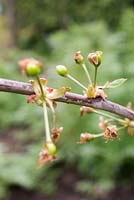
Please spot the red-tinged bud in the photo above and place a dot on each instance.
(22, 64)
(78, 58)
(31, 98)
(30, 66)
(61, 70)
(95, 58)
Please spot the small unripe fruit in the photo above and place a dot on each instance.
(32, 69)
(99, 61)
(78, 58)
(51, 147)
(61, 70)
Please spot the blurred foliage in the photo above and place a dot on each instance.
(36, 20)
(97, 164)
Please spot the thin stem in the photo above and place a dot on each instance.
(54, 120)
(76, 81)
(122, 127)
(98, 135)
(43, 95)
(109, 116)
(48, 137)
(53, 111)
(87, 73)
(95, 76)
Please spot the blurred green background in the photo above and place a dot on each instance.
(52, 31)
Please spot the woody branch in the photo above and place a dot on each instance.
(70, 98)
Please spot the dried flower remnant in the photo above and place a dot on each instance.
(95, 92)
(50, 93)
(86, 137)
(45, 157)
(130, 131)
(95, 58)
(34, 99)
(110, 133)
(56, 134)
(84, 110)
(99, 93)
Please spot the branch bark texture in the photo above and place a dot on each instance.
(71, 98)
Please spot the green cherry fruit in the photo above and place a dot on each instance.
(78, 58)
(61, 70)
(32, 69)
(99, 61)
(51, 147)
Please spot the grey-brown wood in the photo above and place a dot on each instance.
(71, 98)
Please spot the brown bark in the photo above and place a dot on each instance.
(97, 103)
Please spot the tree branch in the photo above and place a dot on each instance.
(98, 103)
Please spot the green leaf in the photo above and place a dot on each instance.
(115, 83)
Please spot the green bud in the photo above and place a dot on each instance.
(33, 69)
(51, 147)
(61, 70)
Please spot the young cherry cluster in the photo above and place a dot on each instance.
(45, 97)
(109, 131)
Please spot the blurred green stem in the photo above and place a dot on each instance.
(87, 73)
(76, 81)
(48, 137)
(98, 135)
(109, 116)
(95, 76)
(53, 111)
(122, 127)
(38, 79)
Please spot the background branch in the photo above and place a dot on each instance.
(98, 103)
